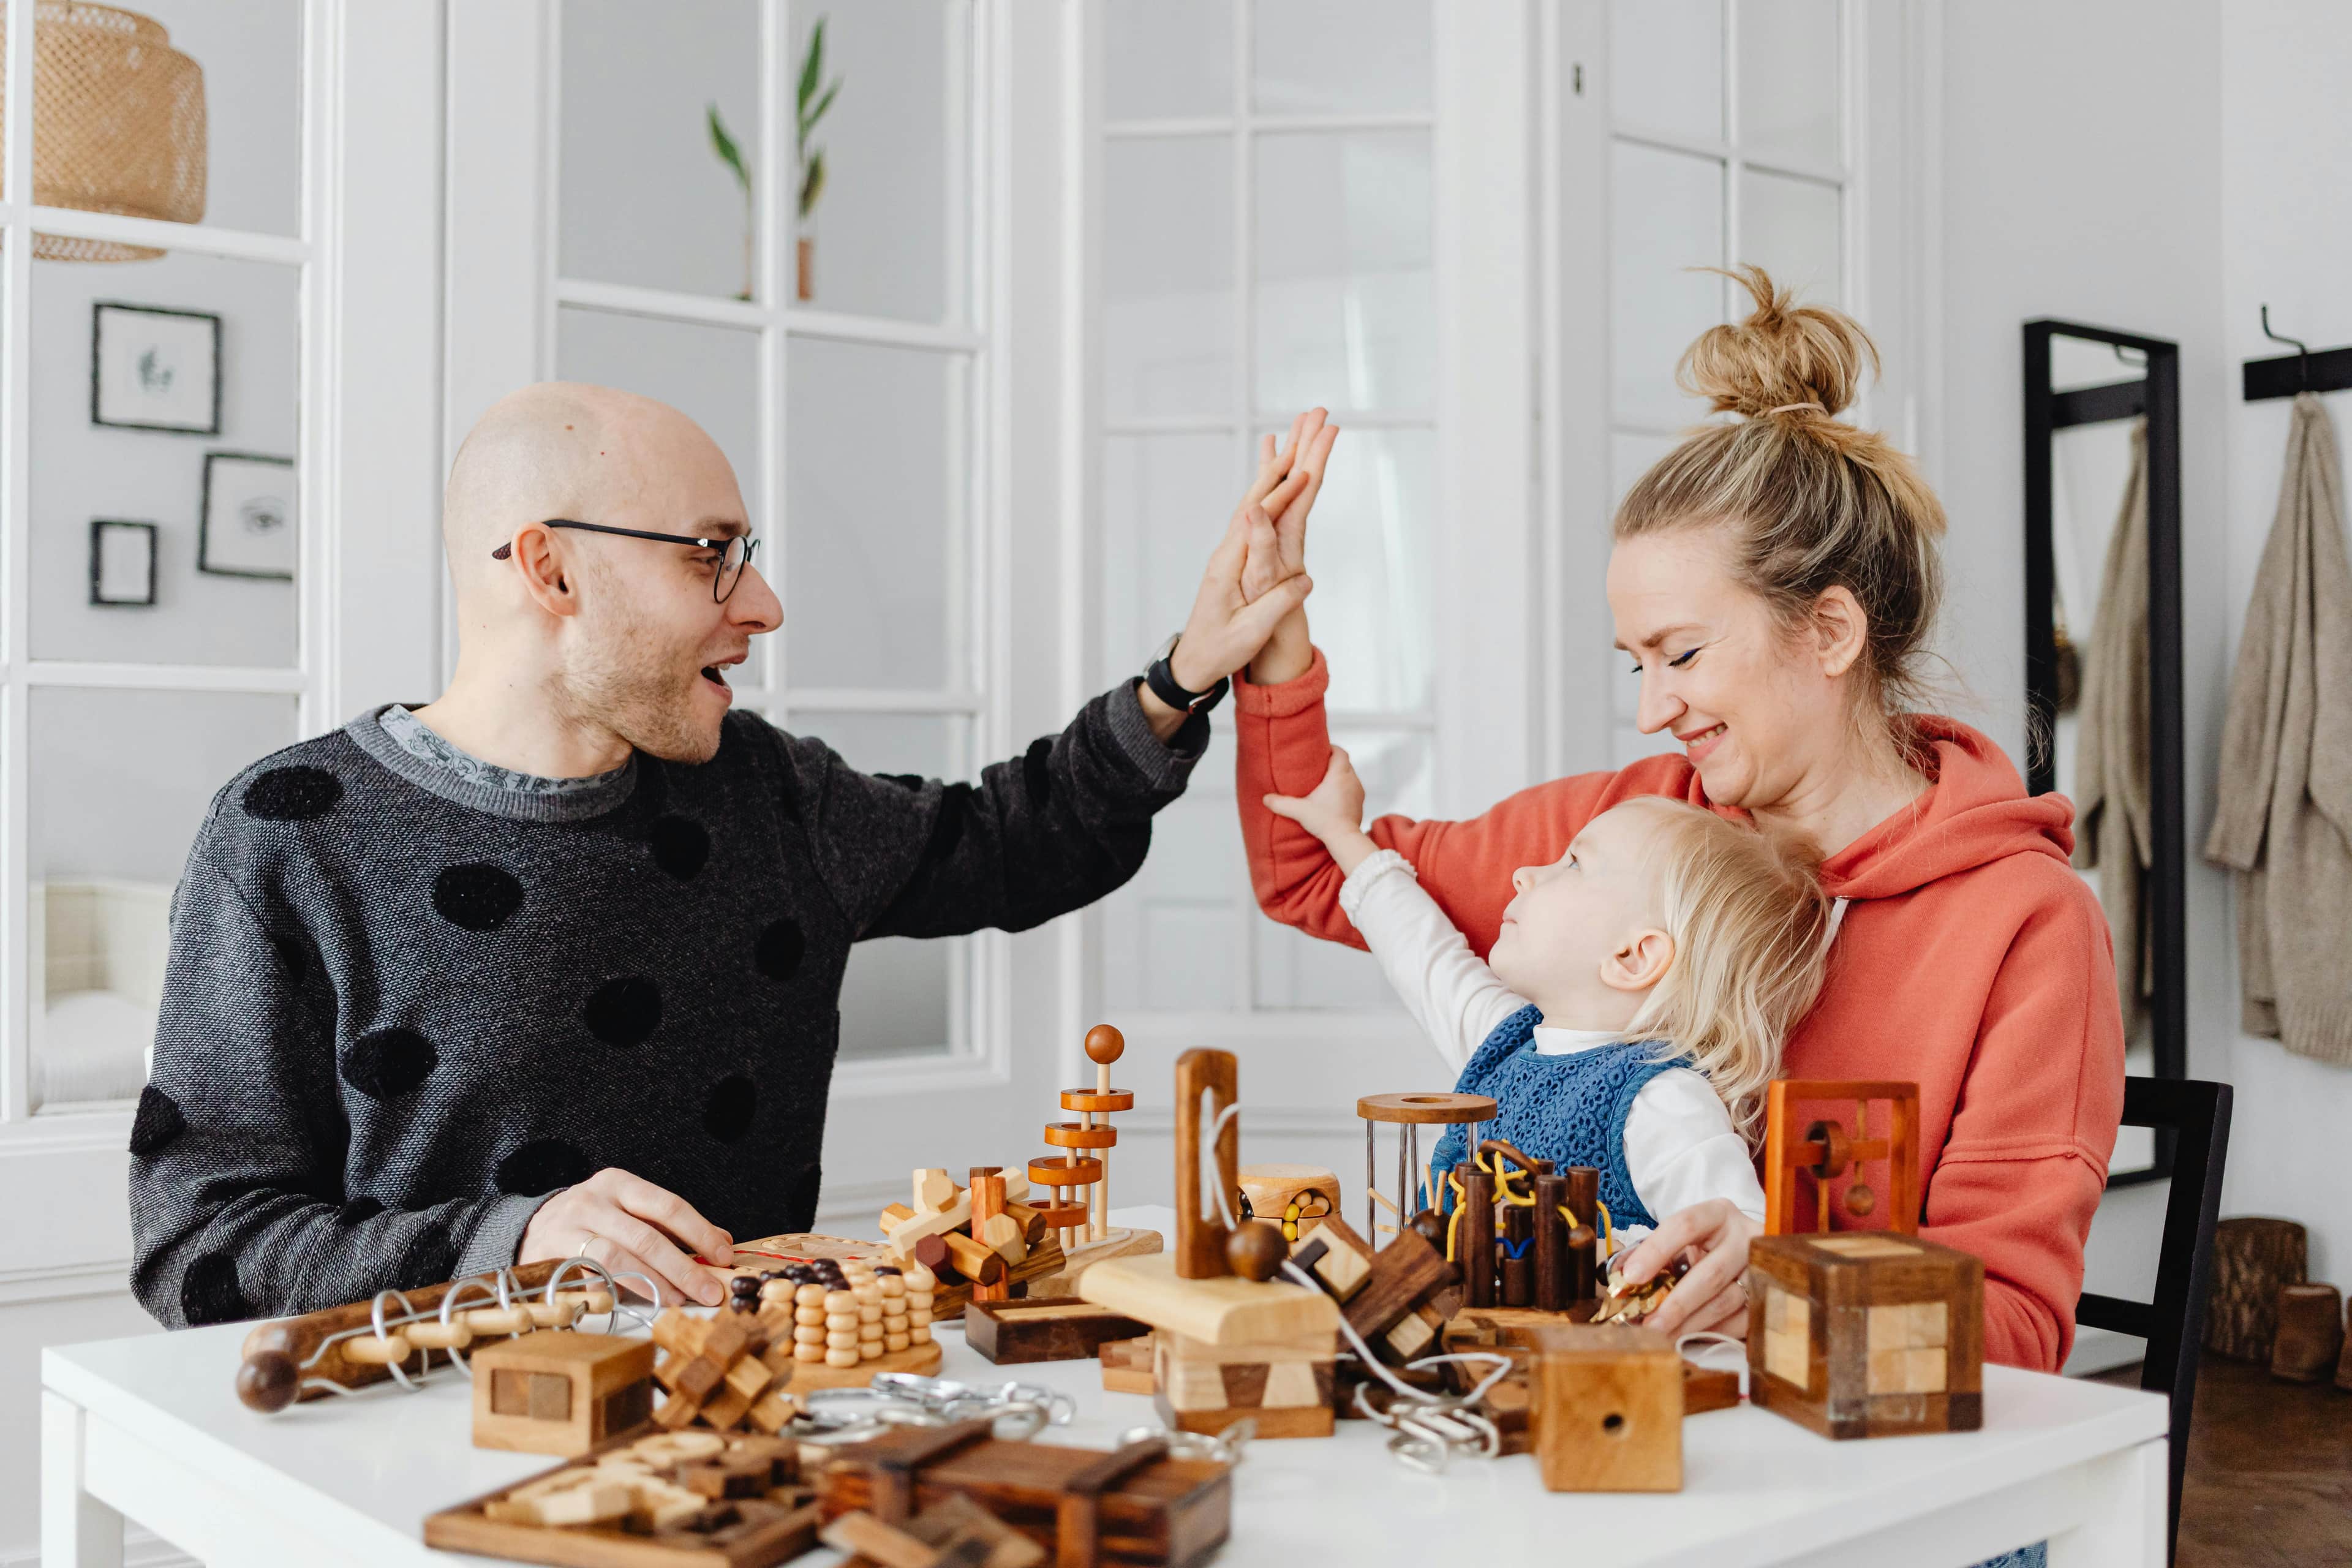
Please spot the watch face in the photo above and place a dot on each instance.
(1167, 648)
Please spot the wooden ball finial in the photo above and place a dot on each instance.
(1104, 1044)
(1256, 1250)
(269, 1382)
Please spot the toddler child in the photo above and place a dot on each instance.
(1631, 1010)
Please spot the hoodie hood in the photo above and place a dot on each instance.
(1976, 812)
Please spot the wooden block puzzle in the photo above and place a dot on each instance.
(1286, 1389)
(1053, 1329)
(1127, 1365)
(560, 1392)
(1609, 1411)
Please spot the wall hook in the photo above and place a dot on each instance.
(2302, 350)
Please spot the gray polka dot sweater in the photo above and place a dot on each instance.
(404, 1003)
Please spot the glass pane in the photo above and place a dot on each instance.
(164, 529)
(1369, 553)
(1630, 456)
(1346, 298)
(1167, 59)
(1173, 937)
(711, 374)
(1789, 80)
(1342, 56)
(1168, 276)
(881, 227)
(645, 195)
(1789, 228)
(1166, 501)
(194, 116)
(1666, 65)
(1666, 216)
(875, 500)
(897, 992)
(110, 836)
(1295, 970)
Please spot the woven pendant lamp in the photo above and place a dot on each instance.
(118, 123)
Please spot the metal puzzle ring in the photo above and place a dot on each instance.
(408, 1314)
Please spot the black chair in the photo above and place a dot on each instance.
(2191, 1120)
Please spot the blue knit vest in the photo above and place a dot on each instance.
(1569, 1110)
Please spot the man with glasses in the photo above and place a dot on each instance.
(551, 964)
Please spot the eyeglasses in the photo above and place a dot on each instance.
(735, 550)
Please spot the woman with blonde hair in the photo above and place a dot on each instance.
(1774, 581)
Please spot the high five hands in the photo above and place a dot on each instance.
(1256, 580)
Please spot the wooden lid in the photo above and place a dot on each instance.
(1421, 1110)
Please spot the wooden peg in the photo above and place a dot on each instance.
(1552, 1266)
(1474, 1236)
(1201, 1233)
(1584, 1237)
(378, 1350)
(436, 1335)
(933, 1190)
(987, 1194)
(1104, 1044)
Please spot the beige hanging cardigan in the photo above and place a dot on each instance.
(2285, 821)
(2113, 830)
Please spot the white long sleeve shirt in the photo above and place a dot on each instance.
(1680, 1145)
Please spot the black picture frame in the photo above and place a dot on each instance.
(204, 547)
(98, 310)
(2155, 394)
(97, 530)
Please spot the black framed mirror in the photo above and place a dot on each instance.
(2103, 683)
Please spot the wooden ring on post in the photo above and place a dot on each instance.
(1425, 1109)
(1063, 1170)
(1070, 1135)
(1837, 1153)
(1063, 1216)
(1100, 1104)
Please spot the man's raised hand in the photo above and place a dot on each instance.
(629, 1225)
(1289, 477)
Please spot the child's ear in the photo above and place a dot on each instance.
(1640, 961)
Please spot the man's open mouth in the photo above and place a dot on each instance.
(713, 673)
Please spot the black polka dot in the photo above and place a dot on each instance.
(801, 1190)
(947, 828)
(475, 898)
(904, 781)
(358, 1209)
(1036, 777)
(680, 846)
(542, 1166)
(780, 948)
(158, 1123)
(389, 1062)
(430, 1259)
(727, 1109)
(623, 1012)
(209, 1292)
(292, 794)
(294, 955)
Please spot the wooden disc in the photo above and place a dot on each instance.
(1424, 1110)
(1063, 1216)
(1070, 1135)
(1100, 1104)
(1063, 1170)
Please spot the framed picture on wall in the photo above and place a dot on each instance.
(245, 528)
(121, 562)
(153, 369)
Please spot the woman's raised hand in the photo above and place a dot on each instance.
(1714, 1294)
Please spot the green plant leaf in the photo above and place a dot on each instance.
(812, 63)
(809, 117)
(811, 182)
(728, 153)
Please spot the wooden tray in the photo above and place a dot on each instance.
(467, 1528)
(948, 1303)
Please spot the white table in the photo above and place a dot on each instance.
(151, 1429)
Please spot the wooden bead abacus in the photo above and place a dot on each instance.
(1825, 1152)
(1084, 1166)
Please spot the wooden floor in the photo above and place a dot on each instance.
(2270, 1470)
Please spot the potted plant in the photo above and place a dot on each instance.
(815, 96)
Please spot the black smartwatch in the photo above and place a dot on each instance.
(1162, 681)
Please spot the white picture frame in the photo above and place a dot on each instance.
(248, 525)
(154, 368)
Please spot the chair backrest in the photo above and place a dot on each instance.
(2193, 1116)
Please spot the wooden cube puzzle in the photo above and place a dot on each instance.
(560, 1392)
(1866, 1334)
(1286, 1389)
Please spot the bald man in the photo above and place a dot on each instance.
(553, 964)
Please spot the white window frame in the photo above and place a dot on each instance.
(368, 480)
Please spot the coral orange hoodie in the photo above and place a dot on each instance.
(1972, 959)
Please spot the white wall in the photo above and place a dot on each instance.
(2083, 178)
(2285, 233)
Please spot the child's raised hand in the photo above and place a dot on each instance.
(1333, 811)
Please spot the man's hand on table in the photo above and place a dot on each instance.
(632, 1226)
(1714, 1295)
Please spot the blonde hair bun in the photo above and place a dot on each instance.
(1785, 359)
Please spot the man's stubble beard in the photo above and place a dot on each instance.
(617, 675)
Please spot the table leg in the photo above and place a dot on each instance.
(77, 1529)
(2127, 1513)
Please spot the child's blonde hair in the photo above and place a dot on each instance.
(1751, 927)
